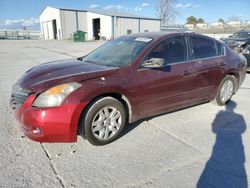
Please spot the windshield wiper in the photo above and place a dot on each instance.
(104, 65)
(90, 62)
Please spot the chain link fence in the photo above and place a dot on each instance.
(19, 34)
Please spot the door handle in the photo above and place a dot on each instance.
(185, 73)
(189, 73)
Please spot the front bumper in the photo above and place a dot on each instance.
(53, 124)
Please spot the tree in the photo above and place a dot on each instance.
(221, 21)
(166, 11)
(191, 20)
(200, 20)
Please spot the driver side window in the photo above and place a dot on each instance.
(172, 50)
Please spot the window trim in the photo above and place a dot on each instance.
(162, 40)
(188, 51)
(205, 58)
(189, 60)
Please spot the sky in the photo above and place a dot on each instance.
(16, 13)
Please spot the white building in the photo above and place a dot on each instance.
(201, 25)
(190, 26)
(217, 24)
(247, 22)
(58, 23)
(234, 23)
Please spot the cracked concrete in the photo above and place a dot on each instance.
(58, 177)
(179, 139)
(177, 149)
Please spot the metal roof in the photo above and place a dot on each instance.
(110, 13)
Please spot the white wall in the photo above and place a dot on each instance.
(68, 23)
(46, 18)
(82, 21)
(234, 23)
(189, 26)
(217, 24)
(105, 25)
(121, 26)
(70, 18)
(201, 25)
(44, 30)
(149, 25)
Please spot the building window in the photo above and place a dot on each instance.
(129, 31)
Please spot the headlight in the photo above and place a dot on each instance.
(55, 95)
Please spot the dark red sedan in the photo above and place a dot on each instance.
(127, 79)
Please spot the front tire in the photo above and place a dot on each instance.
(104, 120)
(226, 90)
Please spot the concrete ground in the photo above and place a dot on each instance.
(202, 146)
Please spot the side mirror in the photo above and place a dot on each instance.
(80, 58)
(153, 63)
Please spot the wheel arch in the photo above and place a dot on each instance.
(236, 75)
(122, 98)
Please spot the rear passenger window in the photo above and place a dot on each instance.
(173, 50)
(202, 47)
(220, 49)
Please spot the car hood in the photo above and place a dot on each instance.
(47, 75)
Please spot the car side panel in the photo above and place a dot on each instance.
(209, 74)
(118, 83)
(161, 89)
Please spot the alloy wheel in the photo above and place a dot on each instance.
(106, 123)
(226, 91)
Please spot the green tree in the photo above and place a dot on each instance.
(200, 20)
(191, 20)
(221, 21)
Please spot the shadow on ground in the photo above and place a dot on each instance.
(129, 127)
(225, 168)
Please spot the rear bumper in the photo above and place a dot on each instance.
(242, 75)
(247, 56)
(54, 124)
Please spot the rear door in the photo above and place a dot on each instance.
(207, 64)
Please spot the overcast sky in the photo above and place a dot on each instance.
(26, 12)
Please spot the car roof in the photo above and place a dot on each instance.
(159, 35)
(162, 35)
(154, 35)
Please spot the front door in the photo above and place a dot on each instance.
(169, 86)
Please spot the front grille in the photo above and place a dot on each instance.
(18, 96)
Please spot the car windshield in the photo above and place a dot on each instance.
(241, 35)
(118, 53)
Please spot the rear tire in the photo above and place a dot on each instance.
(104, 120)
(226, 90)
